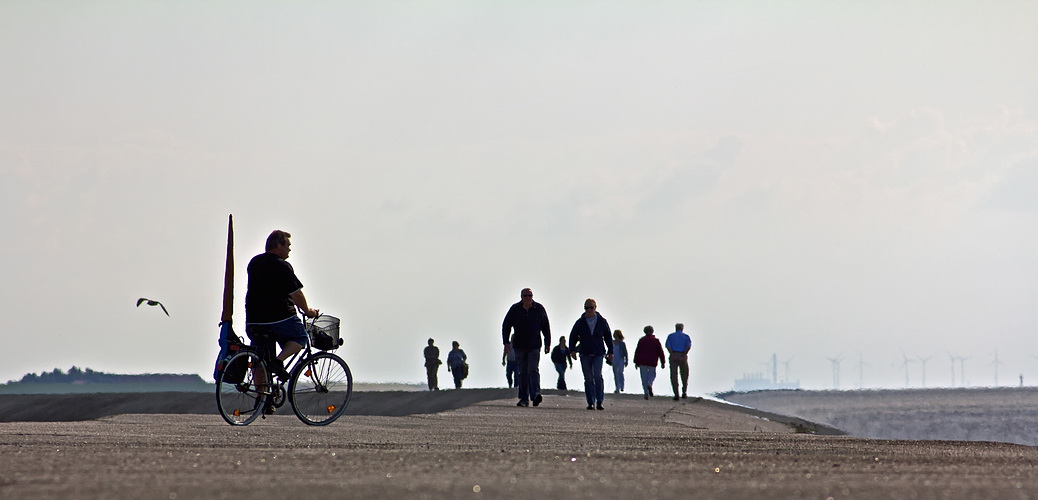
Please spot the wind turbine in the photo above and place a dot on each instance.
(923, 361)
(861, 371)
(836, 370)
(996, 362)
(785, 365)
(904, 364)
(952, 358)
(962, 369)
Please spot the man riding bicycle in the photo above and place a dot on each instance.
(274, 293)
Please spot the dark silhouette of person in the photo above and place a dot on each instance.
(529, 321)
(432, 365)
(456, 364)
(560, 357)
(592, 339)
(508, 361)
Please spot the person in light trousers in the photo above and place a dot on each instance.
(648, 352)
(619, 360)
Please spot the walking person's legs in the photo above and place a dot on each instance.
(684, 379)
(589, 384)
(533, 361)
(644, 375)
(522, 376)
(561, 384)
(599, 382)
(674, 376)
(431, 372)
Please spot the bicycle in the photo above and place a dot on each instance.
(319, 385)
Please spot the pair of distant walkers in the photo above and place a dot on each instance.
(649, 351)
(457, 364)
(526, 323)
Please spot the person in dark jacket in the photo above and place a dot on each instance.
(529, 321)
(591, 338)
(648, 352)
(432, 365)
(560, 357)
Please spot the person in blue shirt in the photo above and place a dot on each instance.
(591, 338)
(456, 364)
(678, 344)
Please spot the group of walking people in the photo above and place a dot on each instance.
(594, 343)
(526, 331)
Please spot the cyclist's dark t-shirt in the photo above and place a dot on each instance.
(271, 280)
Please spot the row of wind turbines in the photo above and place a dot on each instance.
(906, 365)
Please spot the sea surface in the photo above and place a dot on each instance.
(1008, 415)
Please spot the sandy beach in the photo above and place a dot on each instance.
(487, 447)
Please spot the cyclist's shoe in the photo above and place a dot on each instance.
(278, 367)
(268, 408)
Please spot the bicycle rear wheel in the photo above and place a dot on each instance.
(320, 389)
(242, 388)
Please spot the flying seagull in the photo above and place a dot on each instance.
(152, 303)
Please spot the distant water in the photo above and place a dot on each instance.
(983, 414)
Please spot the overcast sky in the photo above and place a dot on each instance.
(810, 179)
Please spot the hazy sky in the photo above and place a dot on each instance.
(810, 179)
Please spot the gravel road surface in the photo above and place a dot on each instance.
(492, 449)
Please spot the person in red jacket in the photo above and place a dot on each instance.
(646, 354)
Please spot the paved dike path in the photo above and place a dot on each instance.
(478, 444)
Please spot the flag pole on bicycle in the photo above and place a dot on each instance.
(228, 274)
(226, 331)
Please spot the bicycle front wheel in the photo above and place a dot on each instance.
(320, 389)
(242, 388)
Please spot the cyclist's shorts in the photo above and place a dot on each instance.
(288, 330)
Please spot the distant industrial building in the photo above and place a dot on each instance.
(758, 382)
